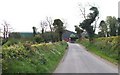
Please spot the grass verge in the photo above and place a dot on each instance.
(102, 50)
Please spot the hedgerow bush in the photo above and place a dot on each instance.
(11, 41)
(109, 45)
(32, 58)
(106, 47)
(38, 39)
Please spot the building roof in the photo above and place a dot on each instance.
(26, 34)
(67, 34)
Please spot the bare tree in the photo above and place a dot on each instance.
(43, 26)
(96, 20)
(6, 29)
(84, 13)
(50, 23)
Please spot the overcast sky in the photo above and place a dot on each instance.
(22, 15)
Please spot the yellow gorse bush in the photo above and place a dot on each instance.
(41, 56)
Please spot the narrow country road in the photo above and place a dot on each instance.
(78, 60)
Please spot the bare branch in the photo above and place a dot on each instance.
(49, 20)
(83, 11)
(6, 29)
(96, 23)
(43, 25)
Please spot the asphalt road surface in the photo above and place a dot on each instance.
(78, 60)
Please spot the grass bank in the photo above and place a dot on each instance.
(105, 47)
(32, 58)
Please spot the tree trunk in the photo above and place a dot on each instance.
(60, 36)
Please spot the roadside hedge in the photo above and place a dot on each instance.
(106, 47)
(32, 58)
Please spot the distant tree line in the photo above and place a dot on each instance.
(6, 30)
(86, 24)
(110, 27)
(55, 34)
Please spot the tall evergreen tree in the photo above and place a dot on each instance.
(34, 31)
(118, 26)
(112, 23)
(58, 25)
(103, 28)
(78, 31)
(86, 24)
